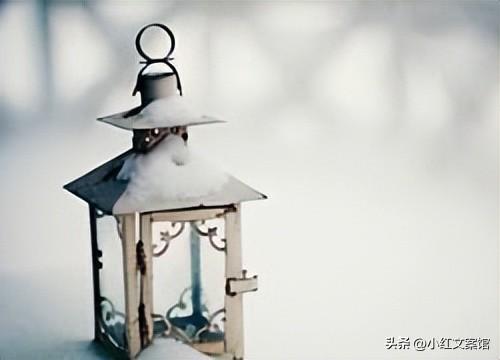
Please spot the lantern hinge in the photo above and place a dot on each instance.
(143, 325)
(235, 286)
(141, 257)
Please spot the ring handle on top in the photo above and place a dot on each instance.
(149, 60)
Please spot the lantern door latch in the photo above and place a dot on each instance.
(235, 286)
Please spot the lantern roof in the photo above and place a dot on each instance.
(105, 189)
(160, 172)
(169, 111)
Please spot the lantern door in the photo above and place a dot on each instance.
(192, 254)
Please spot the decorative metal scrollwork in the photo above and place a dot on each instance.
(166, 238)
(211, 233)
(112, 323)
(182, 304)
(214, 323)
(109, 314)
(165, 324)
(169, 330)
(195, 326)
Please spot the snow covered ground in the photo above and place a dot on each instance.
(381, 163)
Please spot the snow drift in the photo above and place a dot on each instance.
(169, 172)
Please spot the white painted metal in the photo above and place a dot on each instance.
(243, 285)
(188, 215)
(128, 236)
(234, 304)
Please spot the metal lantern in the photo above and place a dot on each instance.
(165, 230)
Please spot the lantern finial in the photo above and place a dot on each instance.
(148, 60)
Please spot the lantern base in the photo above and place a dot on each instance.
(207, 341)
(210, 348)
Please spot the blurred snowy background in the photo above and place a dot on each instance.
(372, 126)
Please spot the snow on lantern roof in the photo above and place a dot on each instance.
(163, 179)
(169, 111)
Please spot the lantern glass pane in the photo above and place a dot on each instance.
(189, 282)
(112, 292)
